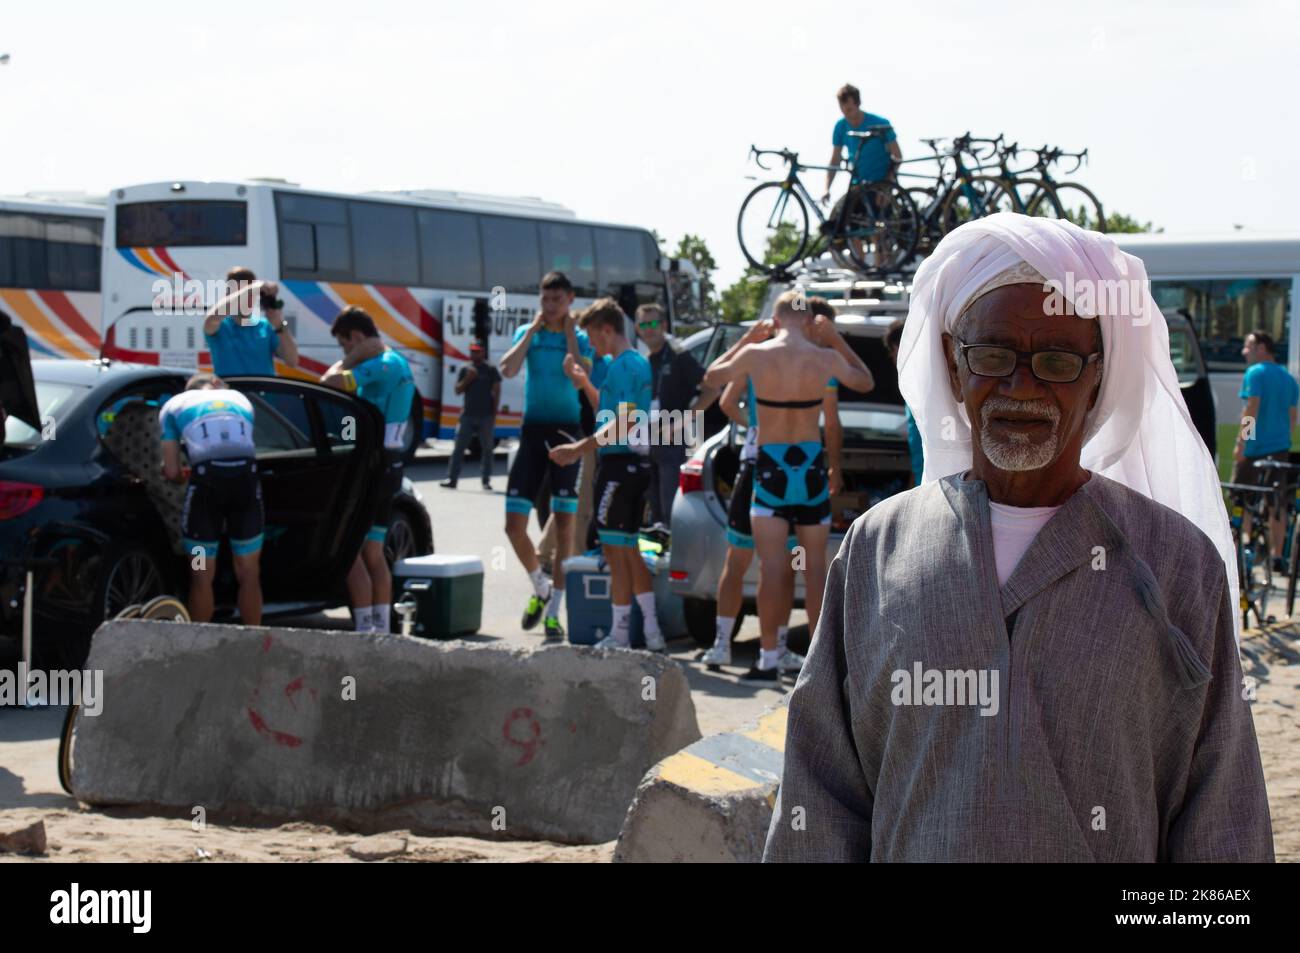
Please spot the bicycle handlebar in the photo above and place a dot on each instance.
(757, 153)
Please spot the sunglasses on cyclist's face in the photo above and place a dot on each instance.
(647, 324)
(1050, 366)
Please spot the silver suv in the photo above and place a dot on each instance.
(875, 465)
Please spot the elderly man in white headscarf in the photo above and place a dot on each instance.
(1031, 656)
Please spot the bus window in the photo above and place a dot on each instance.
(73, 253)
(190, 222)
(568, 248)
(385, 243)
(451, 255)
(1224, 312)
(622, 258)
(511, 257)
(313, 237)
(45, 251)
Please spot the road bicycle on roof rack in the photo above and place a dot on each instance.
(874, 225)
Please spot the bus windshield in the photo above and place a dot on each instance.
(184, 223)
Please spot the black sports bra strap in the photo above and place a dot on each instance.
(815, 402)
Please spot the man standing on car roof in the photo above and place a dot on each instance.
(552, 416)
(224, 496)
(246, 330)
(381, 375)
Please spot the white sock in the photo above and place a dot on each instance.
(649, 621)
(380, 620)
(768, 658)
(622, 627)
(725, 625)
(541, 584)
(361, 618)
(557, 599)
(782, 636)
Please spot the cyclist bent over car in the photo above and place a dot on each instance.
(224, 496)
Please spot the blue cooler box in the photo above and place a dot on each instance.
(587, 592)
(447, 591)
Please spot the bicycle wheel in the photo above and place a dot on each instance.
(772, 227)
(1034, 197)
(983, 195)
(1293, 566)
(1261, 569)
(877, 226)
(927, 235)
(1074, 203)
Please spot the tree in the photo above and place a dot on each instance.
(1119, 222)
(742, 301)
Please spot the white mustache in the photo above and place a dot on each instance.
(1032, 408)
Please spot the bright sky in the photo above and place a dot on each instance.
(643, 113)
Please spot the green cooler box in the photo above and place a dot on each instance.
(447, 592)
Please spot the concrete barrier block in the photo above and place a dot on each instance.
(376, 732)
(711, 802)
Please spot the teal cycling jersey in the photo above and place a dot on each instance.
(549, 395)
(386, 381)
(243, 346)
(213, 424)
(627, 386)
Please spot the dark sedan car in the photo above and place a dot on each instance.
(85, 495)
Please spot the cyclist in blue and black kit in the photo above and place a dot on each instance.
(382, 376)
(623, 468)
(224, 496)
(552, 416)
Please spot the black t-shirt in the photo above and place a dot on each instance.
(478, 395)
(675, 381)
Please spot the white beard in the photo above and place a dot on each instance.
(1019, 453)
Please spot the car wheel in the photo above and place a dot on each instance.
(128, 578)
(401, 540)
(701, 619)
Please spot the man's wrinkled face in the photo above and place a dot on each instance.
(1020, 422)
(555, 303)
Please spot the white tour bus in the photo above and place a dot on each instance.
(436, 270)
(1228, 285)
(49, 271)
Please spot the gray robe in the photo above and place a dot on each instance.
(1121, 731)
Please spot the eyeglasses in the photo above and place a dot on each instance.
(1051, 366)
(647, 324)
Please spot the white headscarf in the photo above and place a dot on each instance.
(1139, 433)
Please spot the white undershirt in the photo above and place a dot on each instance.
(1014, 528)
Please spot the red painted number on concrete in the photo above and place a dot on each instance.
(528, 736)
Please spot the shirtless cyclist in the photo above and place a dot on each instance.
(791, 485)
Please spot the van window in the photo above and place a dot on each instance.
(511, 258)
(451, 255)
